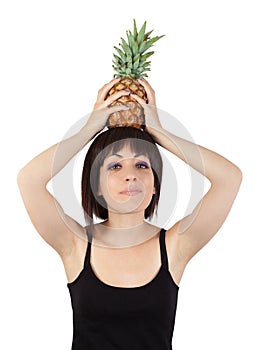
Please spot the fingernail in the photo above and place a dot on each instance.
(127, 90)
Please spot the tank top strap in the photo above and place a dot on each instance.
(164, 256)
(88, 252)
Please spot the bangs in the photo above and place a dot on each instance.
(136, 146)
(138, 141)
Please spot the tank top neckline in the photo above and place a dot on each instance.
(163, 267)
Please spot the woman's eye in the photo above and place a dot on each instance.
(112, 166)
(142, 165)
(115, 165)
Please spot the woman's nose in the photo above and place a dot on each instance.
(130, 178)
(130, 175)
(129, 172)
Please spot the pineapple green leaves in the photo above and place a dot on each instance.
(131, 58)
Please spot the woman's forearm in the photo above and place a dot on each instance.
(48, 163)
(210, 164)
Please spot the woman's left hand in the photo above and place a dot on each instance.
(152, 120)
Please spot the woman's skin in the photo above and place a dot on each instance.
(127, 184)
(136, 265)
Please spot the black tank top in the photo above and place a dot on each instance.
(106, 317)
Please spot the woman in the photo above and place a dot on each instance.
(125, 298)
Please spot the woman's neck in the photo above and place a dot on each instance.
(124, 221)
(122, 234)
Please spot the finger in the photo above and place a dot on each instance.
(107, 87)
(149, 90)
(111, 83)
(117, 108)
(138, 99)
(103, 104)
(116, 96)
(144, 83)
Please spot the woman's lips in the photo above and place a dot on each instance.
(131, 192)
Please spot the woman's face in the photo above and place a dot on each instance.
(126, 181)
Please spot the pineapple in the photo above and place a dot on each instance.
(131, 63)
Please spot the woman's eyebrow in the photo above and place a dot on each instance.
(120, 156)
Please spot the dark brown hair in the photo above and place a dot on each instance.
(104, 144)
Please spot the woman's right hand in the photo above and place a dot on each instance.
(102, 109)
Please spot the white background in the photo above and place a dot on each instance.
(55, 55)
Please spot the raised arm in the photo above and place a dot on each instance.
(195, 230)
(46, 214)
